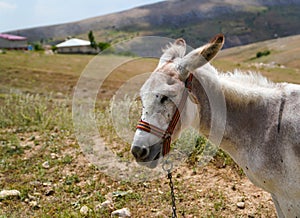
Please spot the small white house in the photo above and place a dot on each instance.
(76, 46)
(9, 42)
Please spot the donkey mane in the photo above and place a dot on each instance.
(243, 88)
(249, 78)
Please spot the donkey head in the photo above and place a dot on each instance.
(162, 94)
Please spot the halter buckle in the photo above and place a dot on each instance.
(167, 135)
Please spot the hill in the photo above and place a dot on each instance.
(196, 20)
(282, 64)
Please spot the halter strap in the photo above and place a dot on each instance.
(167, 134)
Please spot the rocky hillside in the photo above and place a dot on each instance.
(243, 22)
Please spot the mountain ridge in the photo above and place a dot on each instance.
(196, 20)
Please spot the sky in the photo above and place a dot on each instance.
(21, 14)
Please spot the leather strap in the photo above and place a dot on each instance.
(167, 134)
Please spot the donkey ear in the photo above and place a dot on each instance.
(200, 56)
(174, 50)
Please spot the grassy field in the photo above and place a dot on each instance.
(41, 158)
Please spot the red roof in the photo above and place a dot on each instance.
(12, 37)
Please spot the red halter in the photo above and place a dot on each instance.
(167, 134)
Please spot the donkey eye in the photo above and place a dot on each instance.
(163, 99)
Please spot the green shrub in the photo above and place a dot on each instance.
(54, 48)
(2, 51)
(262, 53)
(103, 45)
(38, 47)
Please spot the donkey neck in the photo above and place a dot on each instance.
(249, 126)
(249, 99)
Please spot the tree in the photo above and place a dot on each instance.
(92, 40)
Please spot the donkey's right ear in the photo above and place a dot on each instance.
(174, 50)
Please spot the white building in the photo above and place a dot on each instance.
(8, 41)
(76, 46)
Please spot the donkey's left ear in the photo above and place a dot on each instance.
(200, 56)
(174, 50)
(213, 47)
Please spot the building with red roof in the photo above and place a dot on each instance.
(8, 41)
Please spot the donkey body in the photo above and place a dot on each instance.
(262, 134)
(262, 119)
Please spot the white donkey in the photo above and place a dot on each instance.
(262, 130)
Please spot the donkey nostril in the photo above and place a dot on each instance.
(139, 152)
(144, 152)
